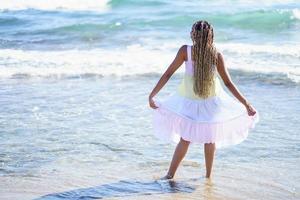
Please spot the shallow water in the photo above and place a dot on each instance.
(74, 115)
(92, 137)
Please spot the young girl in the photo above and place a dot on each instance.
(201, 111)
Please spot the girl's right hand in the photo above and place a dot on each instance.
(152, 104)
(251, 110)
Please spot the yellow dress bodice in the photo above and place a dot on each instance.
(185, 88)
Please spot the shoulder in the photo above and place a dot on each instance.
(220, 56)
(183, 48)
(182, 51)
(220, 61)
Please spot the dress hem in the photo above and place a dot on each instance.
(171, 126)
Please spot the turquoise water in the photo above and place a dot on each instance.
(74, 83)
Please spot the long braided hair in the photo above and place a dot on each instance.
(204, 55)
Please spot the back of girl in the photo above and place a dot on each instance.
(200, 111)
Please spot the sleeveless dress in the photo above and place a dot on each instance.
(219, 118)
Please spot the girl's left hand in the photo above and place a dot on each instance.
(152, 104)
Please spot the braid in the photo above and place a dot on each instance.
(204, 55)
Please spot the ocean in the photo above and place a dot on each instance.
(74, 83)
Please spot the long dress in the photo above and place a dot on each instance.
(219, 118)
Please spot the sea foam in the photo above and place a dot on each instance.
(94, 5)
(139, 60)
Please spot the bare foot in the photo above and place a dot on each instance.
(208, 176)
(167, 177)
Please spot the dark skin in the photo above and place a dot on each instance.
(182, 146)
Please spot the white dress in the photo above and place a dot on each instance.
(219, 119)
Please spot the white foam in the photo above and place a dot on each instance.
(289, 71)
(136, 59)
(95, 5)
(265, 58)
(296, 13)
(247, 49)
(132, 60)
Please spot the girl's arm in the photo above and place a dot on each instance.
(177, 62)
(231, 86)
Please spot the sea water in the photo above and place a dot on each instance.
(74, 83)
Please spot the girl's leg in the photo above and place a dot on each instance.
(209, 150)
(179, 154)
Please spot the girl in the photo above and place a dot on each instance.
(201, 111)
